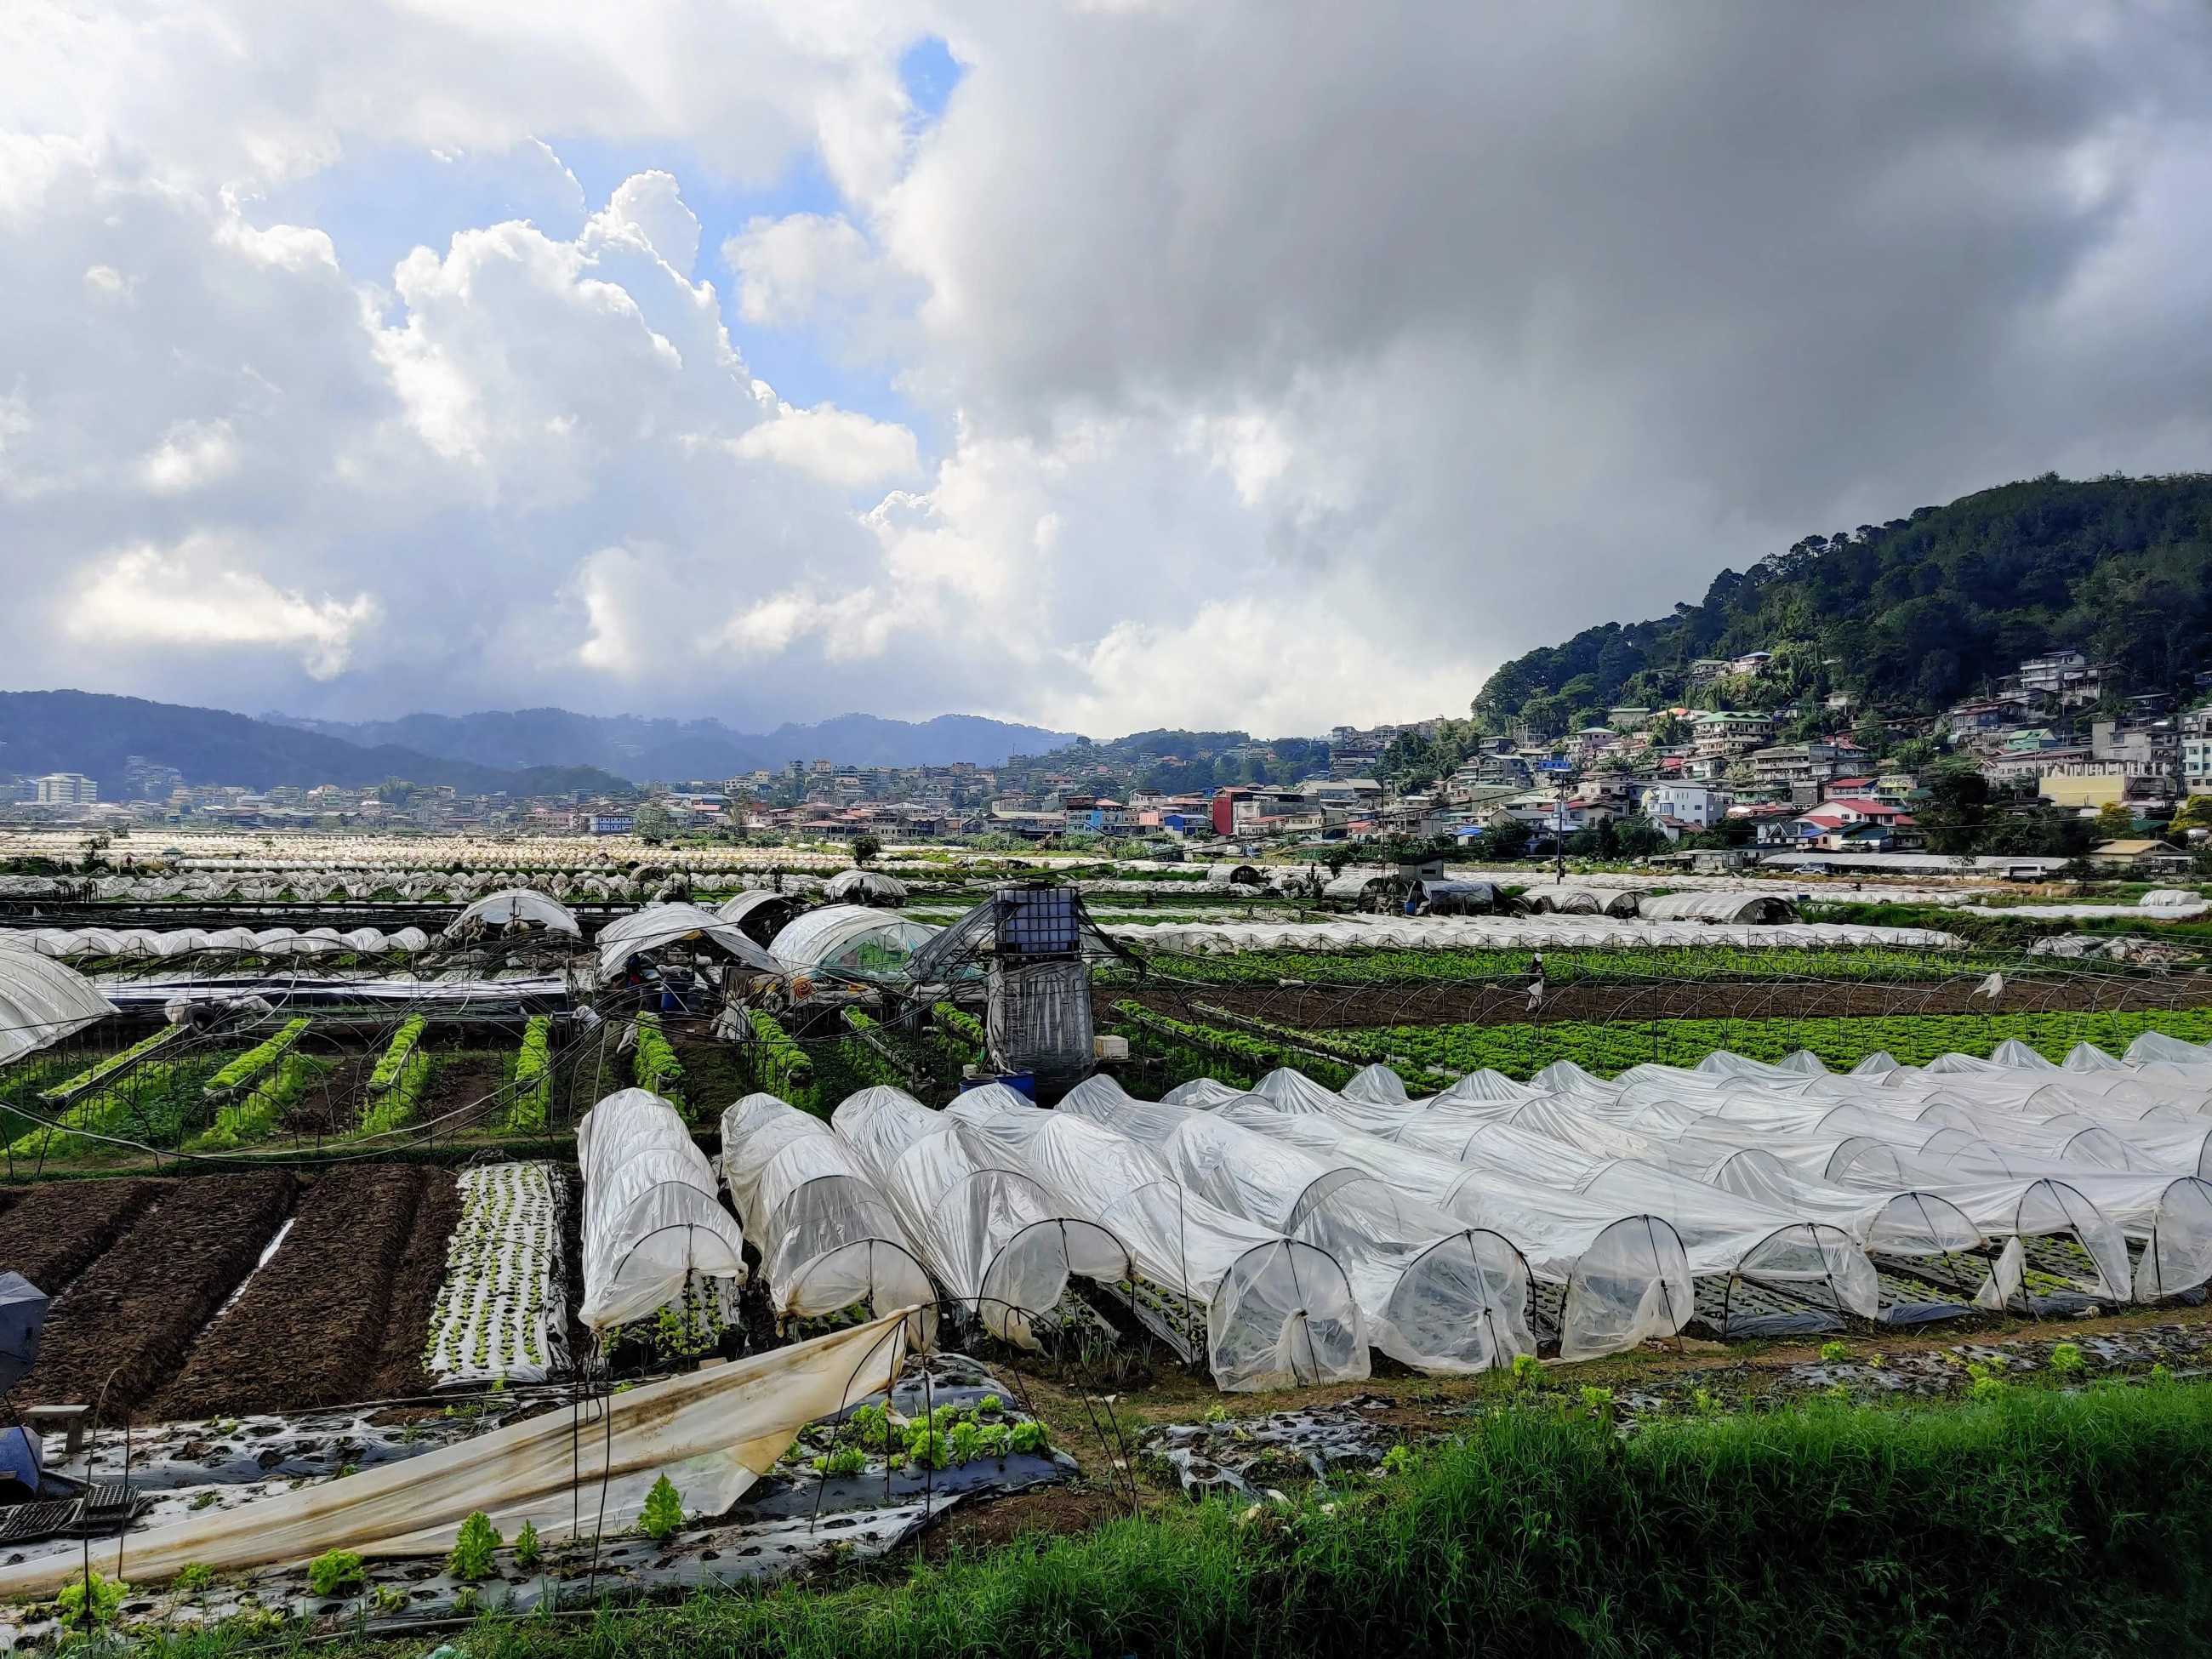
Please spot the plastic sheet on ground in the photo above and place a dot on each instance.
(712, 1431)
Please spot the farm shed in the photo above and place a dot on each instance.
(827, 1237)
(42, 1002)
(651, 1218)
(1435, 1294)
(759, 914)
(1002, 1248)
(1278, 1313)
(1554, 899)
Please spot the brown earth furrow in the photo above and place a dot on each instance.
(308, 1330)
(126, 1322)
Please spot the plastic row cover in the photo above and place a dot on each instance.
(1502, 933)
(1279, 1313)
(1437, 1295)
(827, 1237)
(193, 941)
(42, 1002)
(651, 1218)
(994, 1237)
(1626, 1276)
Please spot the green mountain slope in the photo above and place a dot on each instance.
(1914, 614)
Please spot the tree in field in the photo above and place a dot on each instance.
(2114, 821)
(652, 824)
(2195, 813)
(865, 848)
(1957, 810)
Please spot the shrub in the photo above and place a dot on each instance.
(472, 1548)
(334, 1571)
(663, 1513)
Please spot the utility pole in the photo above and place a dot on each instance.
(1560, 837)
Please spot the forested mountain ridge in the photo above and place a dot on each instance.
(1912, 615)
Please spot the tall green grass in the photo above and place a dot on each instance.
(2033, 1524)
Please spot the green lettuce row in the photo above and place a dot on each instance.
(534, 1077)
(94, 1075)
(653, 1063)
(254, 1061)
(396, 1055)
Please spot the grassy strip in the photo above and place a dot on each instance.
(653, 1063)
(1520, 1051)
(2032, 1523)
(94, 1076)
(533, 1078)
(249, 1066)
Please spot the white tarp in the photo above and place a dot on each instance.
(713, 1432)
(517, 904)
(1626, 1275)
(660, 925)
(651, 1218)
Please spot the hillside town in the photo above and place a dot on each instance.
(2058, 738)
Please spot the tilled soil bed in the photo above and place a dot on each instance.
(309, 1328)
(125, 1324)
(1315, 1007)
(50, 1234)
(399, 1373)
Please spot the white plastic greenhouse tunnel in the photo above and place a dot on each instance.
(659, 925)
(1003, 1249)
(42, 1002)
(848, 941)
(1436, 1294)
(652, 1220)
(519, 904)
(827, 1237)
(1279, 1313)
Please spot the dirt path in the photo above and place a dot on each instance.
(1332, 1007)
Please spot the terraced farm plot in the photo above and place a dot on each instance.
(308, 1329)
(50, 1234)
(127, 1321)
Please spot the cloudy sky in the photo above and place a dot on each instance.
(1108, 365)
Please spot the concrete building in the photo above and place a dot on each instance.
(66, 789)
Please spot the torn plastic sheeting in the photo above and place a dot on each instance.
(713, 1432)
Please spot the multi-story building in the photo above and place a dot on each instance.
(66, 789)
(1694, 806)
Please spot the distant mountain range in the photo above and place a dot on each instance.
(532, 751)
(88, 733)
(669, 750)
